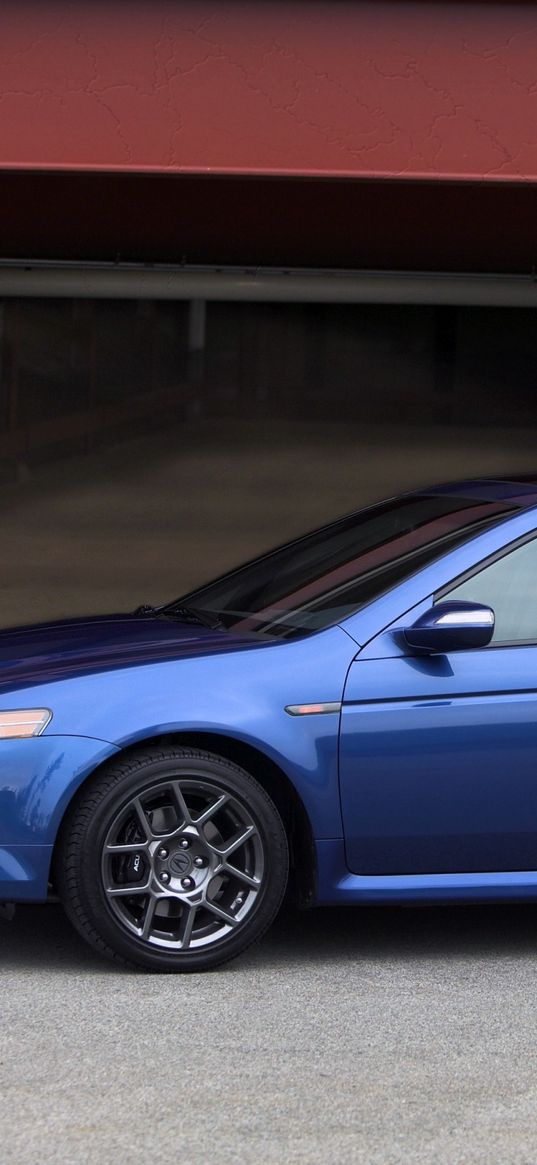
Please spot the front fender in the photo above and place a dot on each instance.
(242, 695)
(38, 777)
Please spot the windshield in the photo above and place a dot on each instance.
(327, 575)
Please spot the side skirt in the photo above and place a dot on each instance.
(337, 886)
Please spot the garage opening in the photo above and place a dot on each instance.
(77, 369)
(150, 440)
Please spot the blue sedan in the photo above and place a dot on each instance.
(351, 718)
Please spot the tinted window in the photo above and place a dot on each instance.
(509, 586)
(328, 575)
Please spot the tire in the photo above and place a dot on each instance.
(172, 860)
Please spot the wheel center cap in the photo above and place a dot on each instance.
(180, 863)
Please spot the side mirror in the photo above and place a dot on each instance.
(451, 626)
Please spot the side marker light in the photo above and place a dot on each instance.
(23, 723)
(313, 709)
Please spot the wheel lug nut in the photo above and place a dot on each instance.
(163, 852)
(184, 843)
(200, 862)
(165, 877)
(187, 883)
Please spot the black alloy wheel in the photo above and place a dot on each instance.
(172, 860)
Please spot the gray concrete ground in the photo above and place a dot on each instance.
(375, 1037)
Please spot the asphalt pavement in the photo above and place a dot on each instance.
(364, 1036)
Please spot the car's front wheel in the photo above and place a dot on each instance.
(173, 860)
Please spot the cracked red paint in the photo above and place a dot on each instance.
(390, 88)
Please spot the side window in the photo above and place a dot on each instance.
(509, 586)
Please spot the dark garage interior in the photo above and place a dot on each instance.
(195, 435)
(396, 364)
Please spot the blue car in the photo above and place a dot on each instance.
(351, 718)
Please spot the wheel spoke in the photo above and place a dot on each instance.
(130, 847)
(210, 812)
(181, 804)
(124, 891)
(149, 916)
(240, 874)
(142, 818)
(236, 843)
(186, 928)
(217, 910)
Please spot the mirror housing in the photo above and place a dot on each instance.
(451, 626)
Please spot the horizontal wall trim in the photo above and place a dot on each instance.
(131, 281)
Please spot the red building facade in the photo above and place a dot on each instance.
(140, 142)
(429, 107)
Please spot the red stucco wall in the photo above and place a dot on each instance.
(423, 89)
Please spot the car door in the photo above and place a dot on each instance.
(438, 753)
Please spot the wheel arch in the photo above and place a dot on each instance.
(303, 864)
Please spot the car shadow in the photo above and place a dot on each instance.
(41, 936)
(389, 933)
